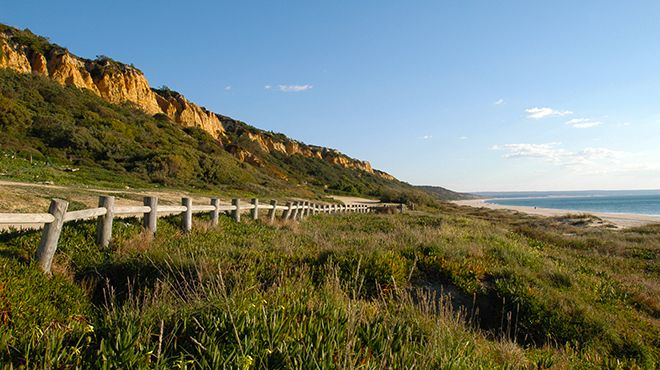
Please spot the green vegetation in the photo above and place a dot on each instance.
(445, 194)
(47, 131)
(63, 127)
(28, 39)
(341, 291)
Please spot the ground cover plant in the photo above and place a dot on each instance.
(448, 288)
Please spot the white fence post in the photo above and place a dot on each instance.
(104, 223)
(151, 218)
(255, 211)
(215, 215)
(187, 214)
(51, 234)
(287, 212)
(294, 215)
(237, 212)
(272, 211)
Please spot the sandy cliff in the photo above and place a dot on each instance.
(119, 83)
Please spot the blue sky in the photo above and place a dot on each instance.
(470, 95)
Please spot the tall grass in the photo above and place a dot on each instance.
(444, 290)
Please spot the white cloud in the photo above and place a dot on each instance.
(426, 137)
(227, 88)
(586, 161)
(268, 87)
(498, 102)
(538, 113)
(623, 124)
(463, 137)
(548, 151)
(583, 122)
(294, 88)
(601, 153)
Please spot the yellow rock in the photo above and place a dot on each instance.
(126, 84)
(39, 64)
(68, 70)
(12, 58)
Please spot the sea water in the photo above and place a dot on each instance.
(642, 202)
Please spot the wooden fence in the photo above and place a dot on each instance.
(106, 212)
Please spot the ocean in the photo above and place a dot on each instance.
(644, 202)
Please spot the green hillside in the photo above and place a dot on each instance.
(445, 194)
(64, 129)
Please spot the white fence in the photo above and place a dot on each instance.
(106, 211)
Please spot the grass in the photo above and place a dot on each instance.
(454, 288)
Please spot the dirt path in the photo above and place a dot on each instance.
(351, 200)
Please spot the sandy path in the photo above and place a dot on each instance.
(352, 200)
(618, 219)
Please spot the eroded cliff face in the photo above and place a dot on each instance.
(115, 82)
(14, 58)
(290, 147)
(68, 70)
(177, 107)
(119, 83)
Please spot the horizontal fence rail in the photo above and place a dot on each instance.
(106, 211)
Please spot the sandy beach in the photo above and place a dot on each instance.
(619, 219)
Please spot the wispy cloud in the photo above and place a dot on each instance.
(463, 138)
(548, 151)
(590, 160)
(583, 122)
(294, 88)
(227, 88)
(426, 137)
(498, 102)
(538, 113)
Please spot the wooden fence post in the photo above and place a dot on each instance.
(237, 212)
(303, 210)
(215, 215)
(151, 218)
(287, 212)
(294, 214)
(255, 211)
(273, 211)
(104, 223)
(401, 208)
(51, 234)
(186, 222)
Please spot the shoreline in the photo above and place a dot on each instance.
(621, 220)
